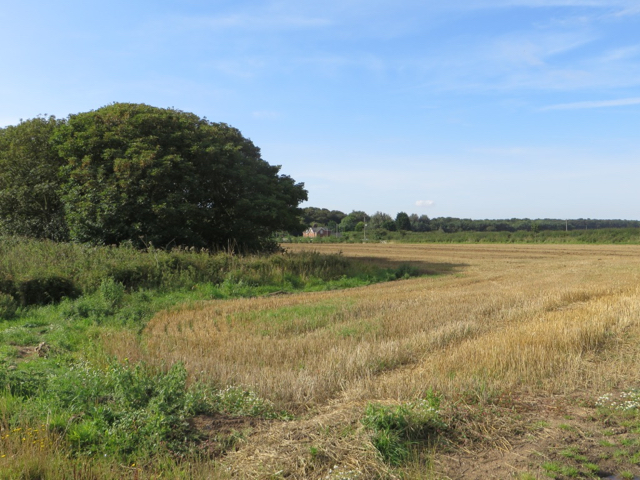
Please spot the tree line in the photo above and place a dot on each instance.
(357, 220)
(136, 173)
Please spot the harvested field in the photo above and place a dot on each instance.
(509, 335)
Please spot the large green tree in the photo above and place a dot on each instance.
(29, 201)
(419, 223)
(167, 177)
(378, 220)
(402, 221)
(350, 221)
(321, 216)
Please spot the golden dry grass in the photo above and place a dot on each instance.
(500, 318)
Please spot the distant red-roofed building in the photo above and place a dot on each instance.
(313, 232)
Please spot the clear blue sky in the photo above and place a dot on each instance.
(472, 108)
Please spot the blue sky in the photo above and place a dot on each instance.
(476, 109)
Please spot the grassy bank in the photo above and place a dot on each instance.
(70, 409)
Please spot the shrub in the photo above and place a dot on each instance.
(118, 410)
(8, 306)
(395, 429)
(44, 290)
(241, 401)
(405, 271)
(112, 293)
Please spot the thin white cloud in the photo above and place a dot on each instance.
(425, 203)
(623, 53)
(622, 102)
(628, 12)
(539, 60)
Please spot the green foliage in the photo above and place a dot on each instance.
(420, 223)
(30, 204)
(25, 381)
(117, 410)
(39, 272)
(396, 429)
(379, 219)
(244, 402)
(44, 290)
(132, 172)
(406, 270)
(170, 178)
(423, 223)
(40, 290)
(389, 225)
(349, 222)
(112, 293)
(121, 286)
(629, 236)
(8, 306)
(402, 221)
(321, 216)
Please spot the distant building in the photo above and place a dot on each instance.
(313, 232)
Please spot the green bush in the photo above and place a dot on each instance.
(39, 290)
(112, 293)
(24, 382)
(241, 401)
(405, 271)
(118, 410)
(44, 290)
(8, 306)
(396, 429)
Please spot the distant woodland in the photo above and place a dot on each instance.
(358, 220)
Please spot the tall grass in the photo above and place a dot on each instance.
(41, 272)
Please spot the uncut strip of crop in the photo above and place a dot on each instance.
(539, 320)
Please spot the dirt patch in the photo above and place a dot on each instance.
(221, 433)
(559, 437)
(220, 423)
(25, 353)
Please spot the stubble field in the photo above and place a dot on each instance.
(519, 342)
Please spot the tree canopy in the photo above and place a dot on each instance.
(29, 183)
(350, 221)
(321, 216)
(379, 219)
(163, 176)
(422, 223)
(402, 221)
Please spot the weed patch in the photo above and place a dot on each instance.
(396, 429)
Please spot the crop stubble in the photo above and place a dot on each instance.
(536, 319)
